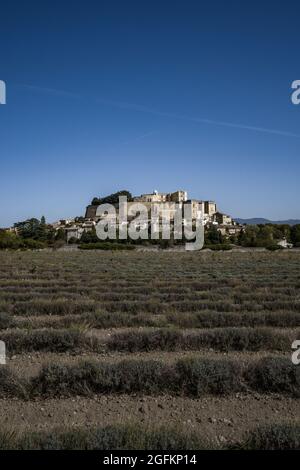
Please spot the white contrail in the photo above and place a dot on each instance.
(145, 109)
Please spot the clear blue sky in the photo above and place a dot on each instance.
(109, 95)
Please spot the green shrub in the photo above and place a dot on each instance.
(135, 340)
(6, 321)
(58, 341)
(33, 244)
(274, 437)
(119, 319)
(200, 376)
(274, 247)
(274, 375)
(220, 339)
(236, 319)
(89, 378)
(243, 339)
(73, 241)
(150, 376)
(189, 376)
(219, 247)
(64, 380)
(130, 436)
(11, 385)
(54, 307)
(192, 377)
(133, 436)
(9, 241)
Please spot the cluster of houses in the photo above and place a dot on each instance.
(167, 203)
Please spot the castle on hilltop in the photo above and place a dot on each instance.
(207, 209)
(168, 204)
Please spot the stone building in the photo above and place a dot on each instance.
(210, 208)
(177, 196)
(222, 219)
(169, 203)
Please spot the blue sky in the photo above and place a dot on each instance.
(110, 95)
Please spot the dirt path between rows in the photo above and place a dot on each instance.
(222, 420)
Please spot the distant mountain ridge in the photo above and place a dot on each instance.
(257, 221)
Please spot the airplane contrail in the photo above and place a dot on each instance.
(148, 110)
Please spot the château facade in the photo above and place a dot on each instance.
(167, 205)
(207, 209)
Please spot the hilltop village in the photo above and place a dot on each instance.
(221, 231)
(211, 216)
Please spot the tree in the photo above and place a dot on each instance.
(73, 241)
(28, 228)
(42, 230)
(213, 236)
(112, 198)
(35, 229)
(295, 234)
(248, 235)
(264, 235)
(9, 241)
(281, 231)
(89, 237)
(60, 235)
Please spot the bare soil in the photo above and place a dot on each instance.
(224, 420)
(50, 285)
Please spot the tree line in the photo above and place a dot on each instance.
(32, 234)
(37, 234)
